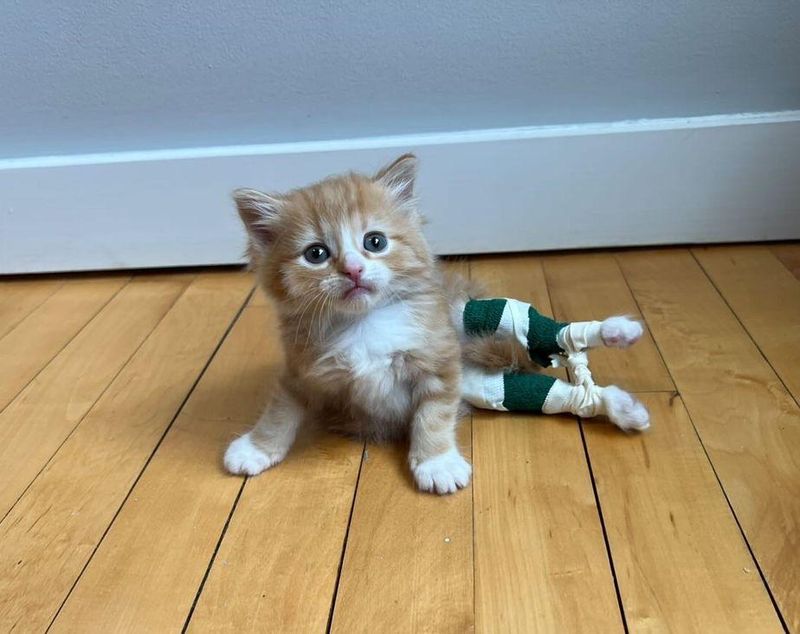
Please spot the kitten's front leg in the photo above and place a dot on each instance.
(270, 440)
(434, 458)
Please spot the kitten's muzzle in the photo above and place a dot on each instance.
(358, 290)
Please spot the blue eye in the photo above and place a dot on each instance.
(375, 241)
(317, 253)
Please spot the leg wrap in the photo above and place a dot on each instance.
(514, 319)
(579, 336)
(514, 392)
(539, 393)
(548, 342)
(582, 400)
(522, 392)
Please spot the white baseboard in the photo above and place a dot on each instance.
(697, 180)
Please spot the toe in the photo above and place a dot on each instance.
(243, 457)
(620, 332)
(445, 473)
(625, 411)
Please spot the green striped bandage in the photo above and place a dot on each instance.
(512, 318)
(547, 395)
(506, 392)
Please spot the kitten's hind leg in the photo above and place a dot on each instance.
(270, 440)
(513, 320)
(538, 335)
(614, 332)
(505, 391)
(540, 393)
(588, 401)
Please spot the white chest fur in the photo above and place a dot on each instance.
(370, 356)
(375, 339)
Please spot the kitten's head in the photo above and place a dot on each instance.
(343, 245)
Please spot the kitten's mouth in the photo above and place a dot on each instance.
(358, 291)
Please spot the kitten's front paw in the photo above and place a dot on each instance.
(244, 458)
(445, 473)
(624, 410)
(620, 332)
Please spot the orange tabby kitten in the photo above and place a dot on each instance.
(370, 348)
(374, 335)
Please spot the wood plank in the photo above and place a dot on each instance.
(408, 565)
(19, 297)
(765, 297)
(540, 557)
(37, 421)
(50, 534)
(48, 328)
(661, 501)
(277, 565)
(147, 571)
(591, 286)
(682, 564)
(789, 254)
(746, 419)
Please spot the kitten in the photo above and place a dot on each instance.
(374, 334)
(365, 320)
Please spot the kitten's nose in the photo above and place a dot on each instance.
(353, 270)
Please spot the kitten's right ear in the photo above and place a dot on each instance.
(259, 213)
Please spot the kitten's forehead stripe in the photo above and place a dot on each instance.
(349, 240)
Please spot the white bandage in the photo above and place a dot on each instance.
(584, 397)
(580, 400)
(579, 336)
(515, 321)
(482, 390)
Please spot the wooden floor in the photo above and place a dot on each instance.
(118, 394)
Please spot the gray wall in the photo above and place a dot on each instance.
(140, 74)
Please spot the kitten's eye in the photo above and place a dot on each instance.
(375, 242)
(317, 253)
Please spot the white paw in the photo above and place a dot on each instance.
(623, 410)
(445, 473)
(243, 457)
(620, 332)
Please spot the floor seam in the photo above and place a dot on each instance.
(75, 427)
(66, 343)
(742, 532)
(178, 410)
(30, 312)
(340, 568)
(213, 557)
(598, 506)
(744, 327)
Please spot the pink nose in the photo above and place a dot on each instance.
(353, 270)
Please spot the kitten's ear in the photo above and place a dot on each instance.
(259, 213)
(398, 177)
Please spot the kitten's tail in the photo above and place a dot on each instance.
(496, 354)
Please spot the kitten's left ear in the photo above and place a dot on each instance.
(398, 177)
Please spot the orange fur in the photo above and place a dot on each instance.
(381, 364)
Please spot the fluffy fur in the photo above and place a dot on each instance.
(373, 337)
(372, 353)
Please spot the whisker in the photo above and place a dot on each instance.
(311, 302)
